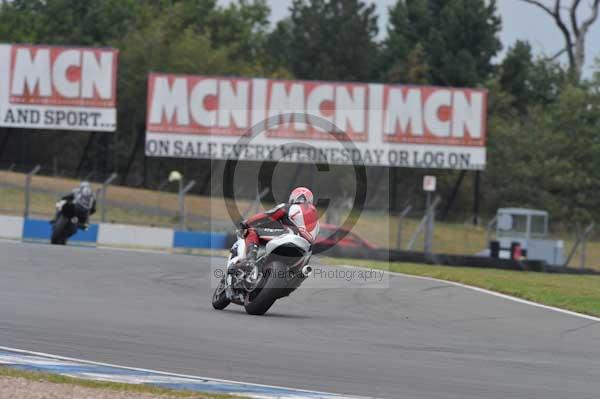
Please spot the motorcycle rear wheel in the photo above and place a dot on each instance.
(270, 290)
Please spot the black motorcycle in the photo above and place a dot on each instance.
(70, 217)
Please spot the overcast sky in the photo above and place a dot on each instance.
(519, 21)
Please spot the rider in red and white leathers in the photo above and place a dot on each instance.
(299, 214)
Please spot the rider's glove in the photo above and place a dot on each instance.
(244, 229)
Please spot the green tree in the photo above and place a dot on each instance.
(573, 166)
(414, 69)
(530, 81)
(548, 158)
(516, 73)
(243, 28)
(69, 22)
(459, 38)
(329, 40)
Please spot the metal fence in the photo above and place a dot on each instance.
(23, 192)
(35, 194)
(462, 237)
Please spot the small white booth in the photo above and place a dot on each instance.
(528, 228)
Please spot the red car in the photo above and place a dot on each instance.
(330, 235)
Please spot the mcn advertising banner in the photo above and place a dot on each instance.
(66, 88)
(315, 122)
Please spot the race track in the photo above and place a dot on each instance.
(416, 339)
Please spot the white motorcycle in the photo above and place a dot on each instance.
(281, 266)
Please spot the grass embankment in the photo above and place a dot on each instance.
(106, 387)
(573, 292)
(154, 208)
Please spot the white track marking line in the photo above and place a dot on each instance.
(488, 292)
(168, 374)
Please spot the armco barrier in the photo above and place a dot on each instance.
(187, 239)
(134, 236)
(11, 227)
(41, 230)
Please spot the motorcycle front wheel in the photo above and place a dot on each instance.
(220, 300)
(59, 231)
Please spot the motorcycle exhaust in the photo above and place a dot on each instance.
(307, 270)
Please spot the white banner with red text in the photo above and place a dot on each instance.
(63, 88)
(316, 122)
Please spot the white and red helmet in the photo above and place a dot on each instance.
(301, 195)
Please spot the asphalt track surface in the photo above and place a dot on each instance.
(415, 339)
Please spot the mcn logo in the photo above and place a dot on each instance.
(365, 112)
(63, 76)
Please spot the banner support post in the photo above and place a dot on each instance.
(403, 215)
(429, 186)
(105, 185)
(429, 227)
(28, 189)
(182, 192)
(477, 199)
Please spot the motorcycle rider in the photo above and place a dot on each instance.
(299, 214)
(85, 202)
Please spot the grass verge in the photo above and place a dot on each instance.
(101, 385)
(572, 292)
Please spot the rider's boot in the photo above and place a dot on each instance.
(252, 253)
(249, 261)
(83, 224)
(249, 264)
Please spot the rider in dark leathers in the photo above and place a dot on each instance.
(85, 203)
